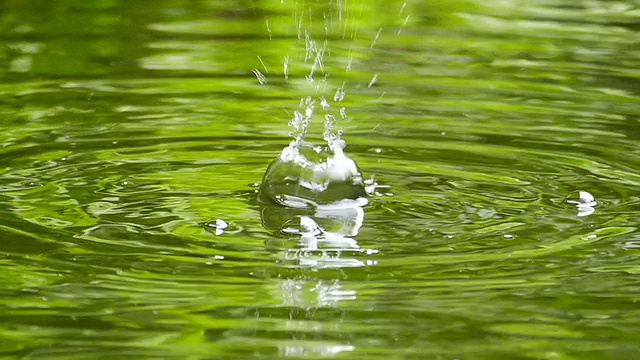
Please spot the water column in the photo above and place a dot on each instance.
(312, 196)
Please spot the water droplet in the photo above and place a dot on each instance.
(375, 40)
(339, 95)
(373, 80)
(286, 68)
(584, 201)
(219, 225)
(261, 78)
(263, 64)
(507, 236)
(266, 19)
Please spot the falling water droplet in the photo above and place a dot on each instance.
(261, 78)
(406, 20)
(266, 19)
(373, 81)
(375, 40)
(286, 68)
(263, 65)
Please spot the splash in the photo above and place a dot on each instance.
(305, 175)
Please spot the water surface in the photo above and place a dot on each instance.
(128, 129)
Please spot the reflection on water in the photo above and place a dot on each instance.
(133, 137)
(325, 236)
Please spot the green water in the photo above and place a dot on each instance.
(127, 126)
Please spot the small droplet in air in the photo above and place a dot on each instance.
(373, 80)
(324, 104)
(261, 78)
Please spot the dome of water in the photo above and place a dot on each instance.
(304, 175)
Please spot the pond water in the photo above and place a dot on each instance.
(498, 142)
